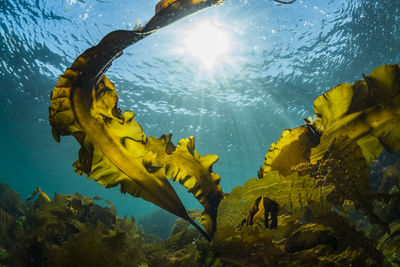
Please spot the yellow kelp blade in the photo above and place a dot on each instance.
(194, 172)
(354, 123)
(103, 171)
(340, 177)
(292, 148)
(185, 165)
(367, 111)
(113, 150)
(290, 192)
(169, 11)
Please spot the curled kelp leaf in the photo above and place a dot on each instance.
(168, 11)
(185, 165)
(351, 118)
(194, 172)
(367, 111)
(294, 147)
(112, 152)
(113, 145)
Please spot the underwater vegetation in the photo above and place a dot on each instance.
(114, 150)
(318, 175)
(313, 180)
(73, 230)
(70, 230)
(311, 205)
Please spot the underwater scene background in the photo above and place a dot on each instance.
(281, 57)
(278, 60)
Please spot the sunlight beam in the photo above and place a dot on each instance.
(207, 43)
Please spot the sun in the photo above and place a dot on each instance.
(207, 43)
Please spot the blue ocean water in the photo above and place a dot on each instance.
(280, 58)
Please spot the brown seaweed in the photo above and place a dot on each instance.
(114, 149)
